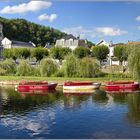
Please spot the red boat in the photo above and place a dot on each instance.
(44, 86)
(119, 86)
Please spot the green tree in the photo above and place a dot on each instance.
(88, 67)
(70, 66)
(100, 52)
(24, 68)
(25, 53)
(47, 67)
(59, 52)
(134, 63)
(121, 53)
(81, 52)
(7, 53)
(39, 53)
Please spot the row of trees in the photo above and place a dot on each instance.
(100, 52)
(72, 67)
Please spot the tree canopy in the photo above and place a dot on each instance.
(23, 30)
(81, 52)
(121, 53)
(100, 52)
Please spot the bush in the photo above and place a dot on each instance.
(59, 73)
(70, 66)
(88, 67)
(7, 53)
(25, 53)
(24, 68)
(39, 53)
(81, 52)
(48, 67)
(59, 52)
(7, 67)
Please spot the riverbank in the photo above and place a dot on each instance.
(13, 80)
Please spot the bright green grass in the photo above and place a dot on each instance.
(61, 79)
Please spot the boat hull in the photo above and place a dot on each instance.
(46, 87)
(118, 86)
(80, 87)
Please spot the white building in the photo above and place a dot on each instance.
(71, 42)
(7, 43)
(111, 60)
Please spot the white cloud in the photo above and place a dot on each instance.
(78, 31)
(138, 18)
(50, 18)
(139, 27)
(109, 31)
(94, 32)
(31, 6)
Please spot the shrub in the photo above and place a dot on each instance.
(48, 67)
(39, 53)
(70, 66)
(88, 67)
(7, 53)
(7, 67)
(25, 53)
(81, 52)
(59, 52)
(24, 68)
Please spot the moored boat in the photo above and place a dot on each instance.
(119, 86)
(36, 86)
(84, 87)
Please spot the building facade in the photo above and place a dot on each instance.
(71, 42)
(8, 44)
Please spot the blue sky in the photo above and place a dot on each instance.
(112, 21)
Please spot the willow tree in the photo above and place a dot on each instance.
(134, 63)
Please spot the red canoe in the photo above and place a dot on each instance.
(119, 86)
(36, 86)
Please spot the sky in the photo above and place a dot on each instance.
(117, 21)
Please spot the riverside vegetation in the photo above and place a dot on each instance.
(82, 62)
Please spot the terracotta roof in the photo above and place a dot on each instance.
(133, 43)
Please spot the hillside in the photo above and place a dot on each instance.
(23, 30)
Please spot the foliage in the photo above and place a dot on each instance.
(100, 52)
(7, 53)
(24, 68)
(25, 52)
(23, 30)
(47, 67)
(90, 44)
(39, 53)
(134, 63)
(7, 67)
(70, 66)
(88, 67)
(81, 52)
(59, 52)
(121, 53)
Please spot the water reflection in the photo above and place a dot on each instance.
(133, 102)
(47, 114)
(100, 97)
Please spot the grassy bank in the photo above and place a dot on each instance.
(62, 79)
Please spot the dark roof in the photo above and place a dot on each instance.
(22, 44)
(69, 37)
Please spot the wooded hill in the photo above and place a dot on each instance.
(23, 30)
